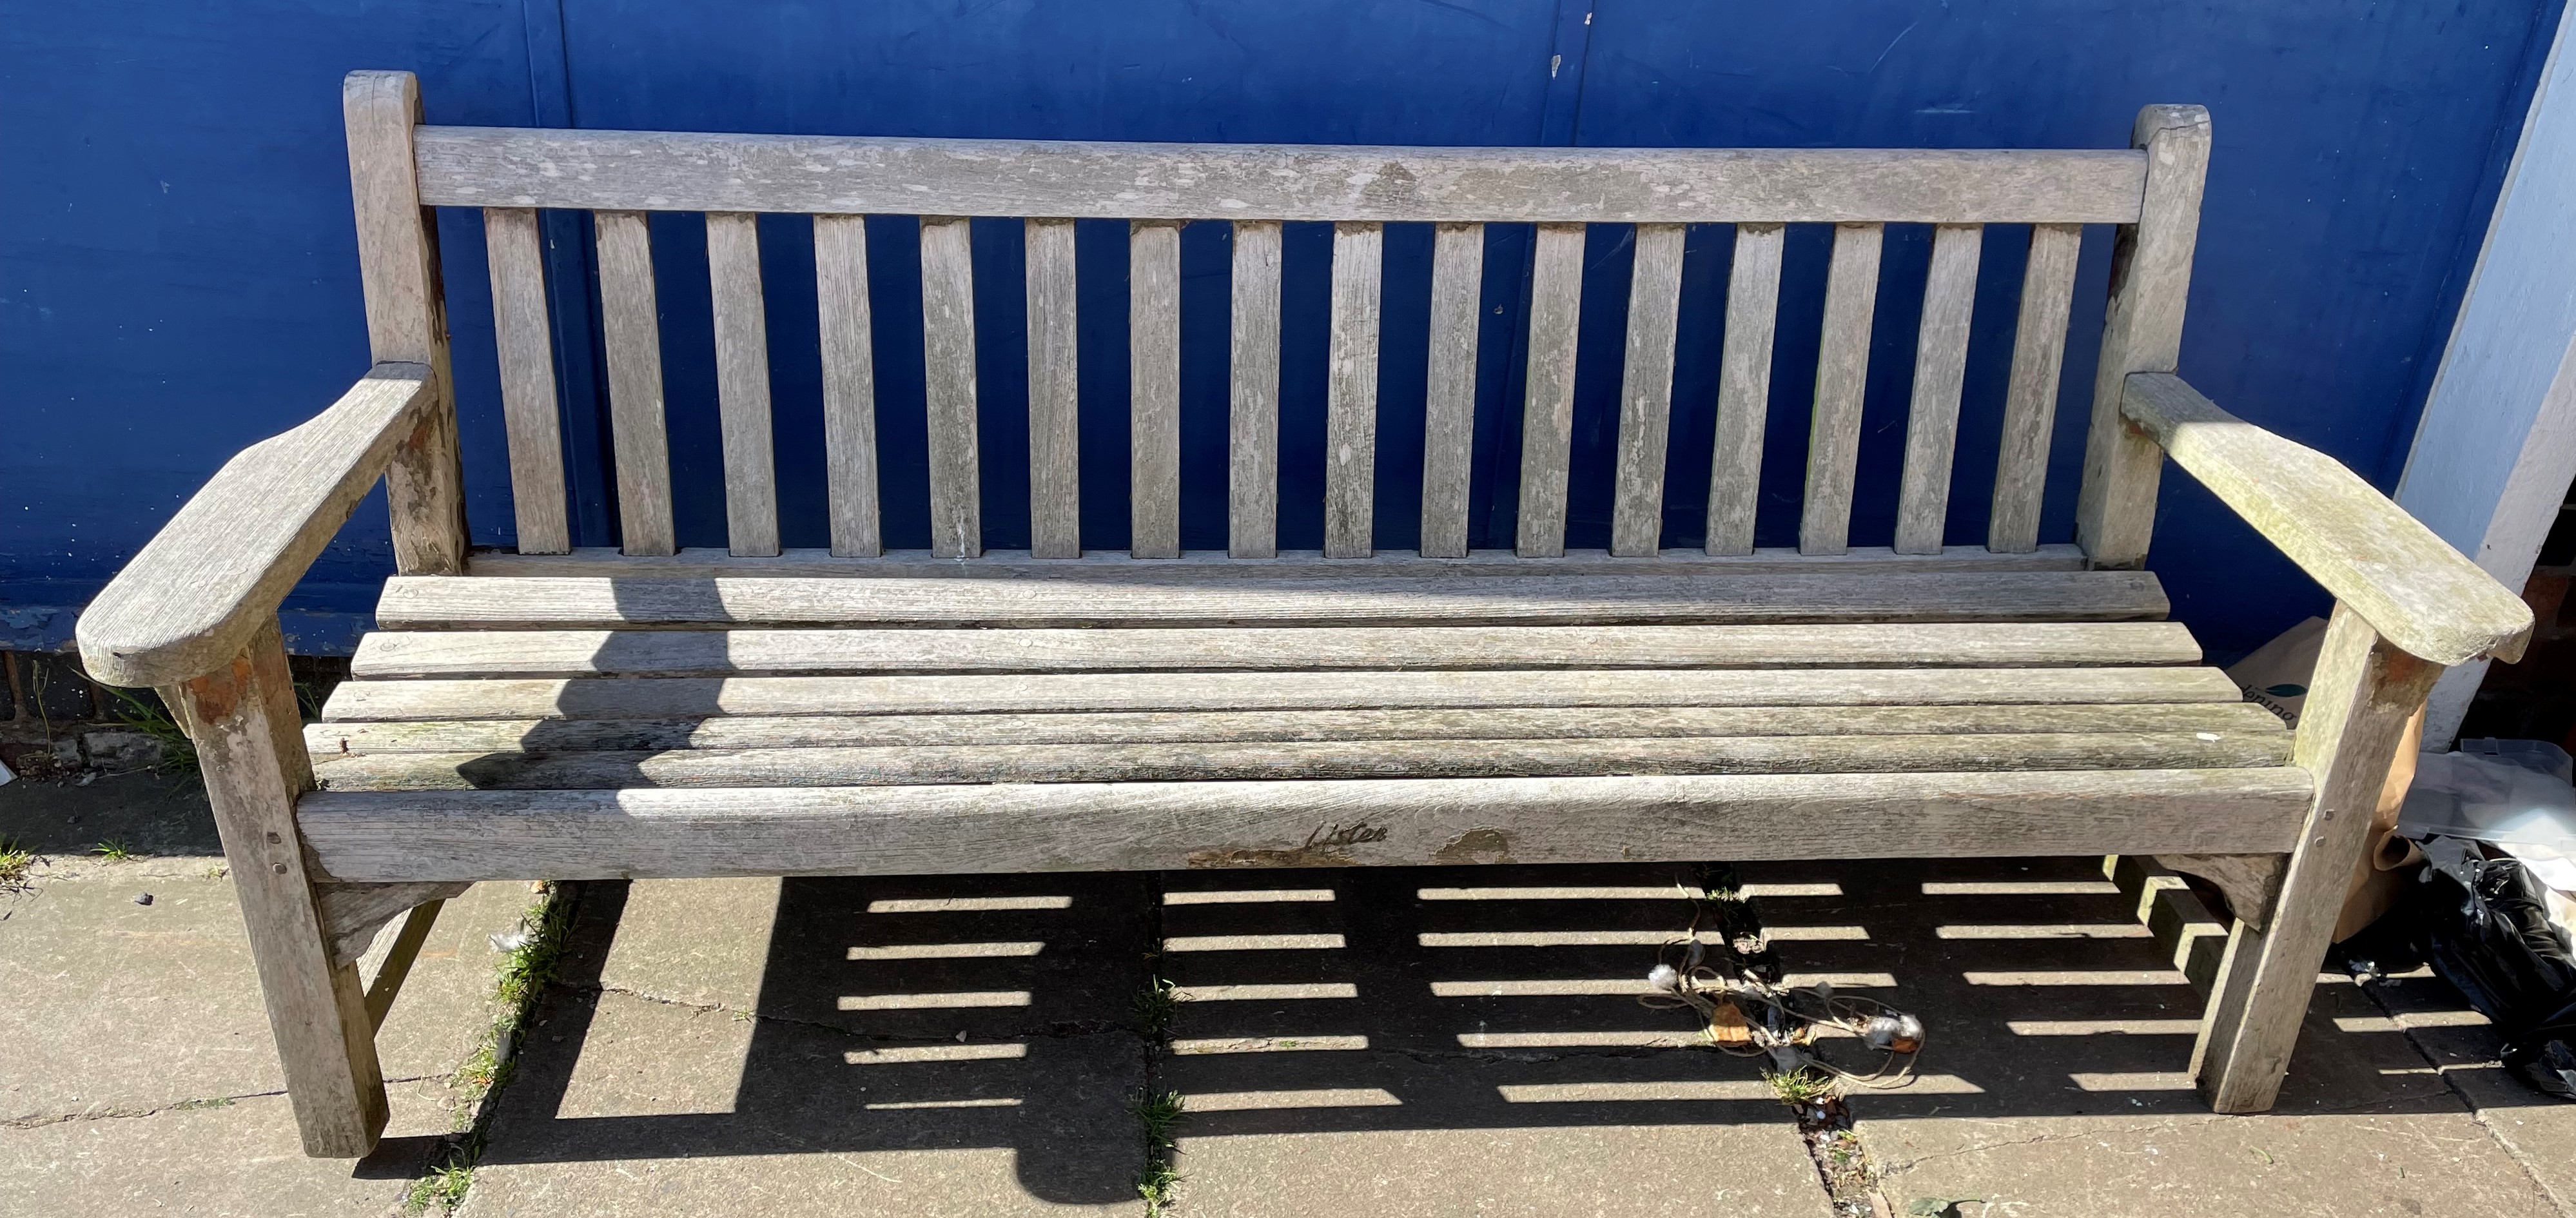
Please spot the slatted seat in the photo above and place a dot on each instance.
(552, 711)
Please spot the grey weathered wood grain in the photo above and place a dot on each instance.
(353, 913)
(1252, 428)
(405, 950)
(680, 653)
(1744, 388)
(630, 328)
(1055, 393)
(406, 315)
(242, 719)
(525, 344)
(501, 167)
(2380, 563)
(1350, 392)
(1146, 826)
(337, 739)
(2115, 510)
(742, 383)
(1842, 382)
(708, 563)
(1449, 403)
(587, 698)
(1940, 368)
(2030, 400)
(948, 354)
(2360, 696)
(445, 602)
(1226, 761)
(213, 577)
(1646, 390)
(849, 384)
(1547, 407)
(1154, 389)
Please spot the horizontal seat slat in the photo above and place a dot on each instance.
(644, 833)
(1205, 761)
(436, 602)
(656, 698)
(829, 175)
(332, 739)
(681, 653)
(698, 562)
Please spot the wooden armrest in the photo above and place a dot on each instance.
(200, 588)
(2409, 584)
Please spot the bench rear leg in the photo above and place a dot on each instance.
(250, 745)
(2359, 699)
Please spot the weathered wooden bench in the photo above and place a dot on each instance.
(652, 711)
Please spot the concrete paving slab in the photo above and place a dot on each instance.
(627, 1106)
(236, 1158)
(156, 814)
(107, 1002)
(2538, 1130)
(923, 1047)
(2055, 1074)
(1456, 1042)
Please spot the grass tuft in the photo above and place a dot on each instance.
(1156, 1004)
(1800, 1086)
(14, 862)
(1158, 1112)
(113, 850)
(145, 715)
(521, 981)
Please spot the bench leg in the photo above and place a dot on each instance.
(2359, 699)
(250, 747)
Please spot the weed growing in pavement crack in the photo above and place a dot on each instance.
(536, 949)
(1156, 1110)
(113, 850)
(14, 862)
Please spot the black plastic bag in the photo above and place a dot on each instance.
(2487, 932)
(2484, 926)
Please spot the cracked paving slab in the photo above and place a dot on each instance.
(107, 1002)
(2055, 1075)
(226, 1158)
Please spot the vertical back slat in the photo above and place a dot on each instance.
(1154, 381)
(948, 355)
(1940, 366)
(1252, 439)
(1055, 395)
(1646, 391)
(2030, 404)
(1744, 388)
(742, 383)
(1547, 409)
(1350, 395)
(631, 333)
(849, 383)
(528, 410)
(1842, 377)
(1449, 423)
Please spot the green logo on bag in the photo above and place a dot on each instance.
(2285, 690)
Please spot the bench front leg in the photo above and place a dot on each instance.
(2362, 693)
(250, 746)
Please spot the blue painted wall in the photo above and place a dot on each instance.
(178, 277)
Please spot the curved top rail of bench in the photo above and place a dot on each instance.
(211, 577)
(827, 175)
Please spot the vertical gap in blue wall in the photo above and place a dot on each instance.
(1497, 474)
(583, 401)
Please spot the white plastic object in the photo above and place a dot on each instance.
(5, 776)
(2491, 797)
(2535, 755)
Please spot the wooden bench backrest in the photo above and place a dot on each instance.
(2151, 192)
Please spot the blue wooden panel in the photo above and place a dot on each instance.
(182, 279)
